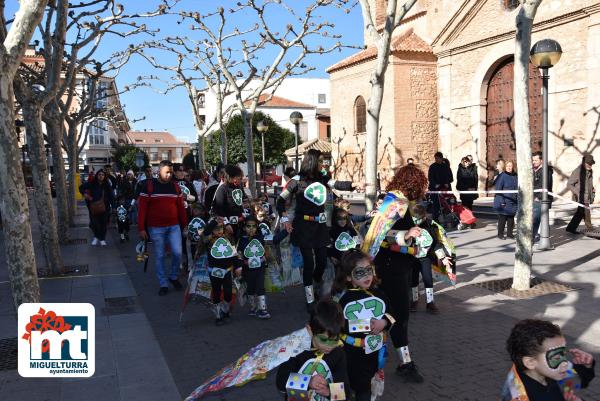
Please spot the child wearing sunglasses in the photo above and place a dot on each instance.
(364, 308)
(253, 253)
(343, 235)
(325, 324)
(541, 368)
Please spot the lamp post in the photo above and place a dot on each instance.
(296, 119)
(263, 127)
(544, 55)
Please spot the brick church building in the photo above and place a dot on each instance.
(449, 87)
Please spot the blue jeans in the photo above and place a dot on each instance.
(537, 217)
(161, 236)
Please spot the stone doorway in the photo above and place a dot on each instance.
(500, 127)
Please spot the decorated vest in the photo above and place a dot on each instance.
(221, 254)
(359, 307)
(122, 213)
(252, 251)
(322, 369)
(196, 228)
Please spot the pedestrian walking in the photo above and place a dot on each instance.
(538, 183)
(126, 189)
(213, 183)
(505, 205)
(99, 194)
(581, 184)
(466, 180)
(228, 202)
(182, 178)
(162, 218)
(440, 179)
(309, 229)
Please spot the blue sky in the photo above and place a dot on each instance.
(172, 111)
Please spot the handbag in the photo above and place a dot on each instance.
(98, 207)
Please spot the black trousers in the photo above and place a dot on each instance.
(123, 226)
(423, 266)
(509, 222)
(99, 222)
(395, 272)
(361, 369)
(255, 281)
(224, 284)
(184, 254)
(315, 262)
(576, 220)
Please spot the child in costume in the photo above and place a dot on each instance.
(325, 325)
(430, 250)
(366, 320)
(228, 203)
(343, 235)
(123, 218)
(223, 262)
(541, 368)
(253, 254)
(196, 227)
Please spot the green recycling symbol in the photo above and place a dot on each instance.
(184, 189)
(221, 249)
(264, 229)
(254, 249)
(237, 196)
(373, 343)
(316, 193)
(424, 242)
(321, 369)
(196, 224)
(344, 242)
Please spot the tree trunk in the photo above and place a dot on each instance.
(14, 206)
(524, 246)
(201, 151)
(250, 151)
(32, 115)
(54, 132)
(223, 145)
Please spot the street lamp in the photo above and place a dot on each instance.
(296, 119)
(139, 159)
(544, 55)
(262, 127)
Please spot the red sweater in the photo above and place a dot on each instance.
(161, 205)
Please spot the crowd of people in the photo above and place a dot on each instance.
(378, 259)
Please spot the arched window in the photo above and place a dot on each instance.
(360, 115)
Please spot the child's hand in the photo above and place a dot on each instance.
(447, 262)
(582, 358)
(319, 384)
(570, 396)
(378, 325)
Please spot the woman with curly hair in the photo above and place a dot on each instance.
(389, 241)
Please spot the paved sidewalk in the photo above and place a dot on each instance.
(129, 363)
(460, 352)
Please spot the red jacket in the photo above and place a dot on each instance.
(160, 205)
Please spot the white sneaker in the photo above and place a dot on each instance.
(103, 243)
(95, 241)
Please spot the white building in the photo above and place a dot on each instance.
(310, 96)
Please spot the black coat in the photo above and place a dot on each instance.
(466, 179)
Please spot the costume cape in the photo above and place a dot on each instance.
(394, 206)
(256, 363)
(513, 388)
(440, 272)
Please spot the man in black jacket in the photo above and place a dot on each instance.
(537, 162)
(440, 179)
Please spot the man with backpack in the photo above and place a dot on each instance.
(162, 217)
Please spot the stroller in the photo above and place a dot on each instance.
(454, 214)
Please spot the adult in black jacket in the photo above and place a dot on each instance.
(213, 183)
(189, 198)
(98, 189)
(309, 229)
(466, 180)
(440, 179)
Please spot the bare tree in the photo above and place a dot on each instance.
(20, 257)
(194, 64)
(524, 247)
(382, 39)
(34, 89)
(253, 73)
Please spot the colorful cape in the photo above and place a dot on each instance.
(256, 363)
(440, 272)
(513, 388)
(394, 206)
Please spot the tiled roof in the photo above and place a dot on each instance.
(150, 138)
(407, 42)
(318, 144)
(268, 100)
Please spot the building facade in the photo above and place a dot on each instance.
(449, 87)
(159, 146)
